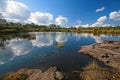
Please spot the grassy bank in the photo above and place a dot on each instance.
(9, 31)
(95, 72)
(95, 31)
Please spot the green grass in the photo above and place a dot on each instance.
(9, 31)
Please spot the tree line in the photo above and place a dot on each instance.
(10, 27)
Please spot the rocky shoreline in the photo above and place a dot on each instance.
(34, 74)
(90, 72)
(108, 52)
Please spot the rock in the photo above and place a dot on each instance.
(34, 74)
(53, 74)
(59, 75)
(107, 52)
(107, 42)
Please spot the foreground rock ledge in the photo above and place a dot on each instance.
(33, 74)
(107, 52)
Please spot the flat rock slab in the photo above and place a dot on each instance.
(107, 52)
(34, 74)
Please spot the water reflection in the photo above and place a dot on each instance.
(98, 39)
(9, 49)
(20, 46)
(16, 47)
(101, 38)
(79, 36)
(38, 49)
(5, 55)
(61, 38)
(3, 43)
(43, 39)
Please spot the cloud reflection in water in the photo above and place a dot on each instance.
(16, 47)
(61, 37)
(43, 39)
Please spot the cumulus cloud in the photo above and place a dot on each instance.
(40, 18)
(61, 20)
(100, 22)
(115, 15)
(2, 5)
(15, 11)
(78, 21)
(82, 25)
(79, 24)
(100, 9)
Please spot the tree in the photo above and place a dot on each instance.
(2, 20)
(1, 16)
(52, 26)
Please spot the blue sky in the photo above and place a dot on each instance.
(74, 11)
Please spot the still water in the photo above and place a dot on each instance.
(46, 49)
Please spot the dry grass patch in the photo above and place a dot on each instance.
(95, 72)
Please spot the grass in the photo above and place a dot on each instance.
(95, 72)
(19, 75)
(9, 31)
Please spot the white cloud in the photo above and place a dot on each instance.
(61, 20)
(106, 25)
(102, 19)
(2, 5)
(78, 21)
(101, 9)
(79, 24)
(100, 22)
(40, 18)
(82, 25)
(115, 15)
(15, 11)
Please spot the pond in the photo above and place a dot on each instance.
(46, 49)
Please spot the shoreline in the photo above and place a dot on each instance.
(106, 52)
